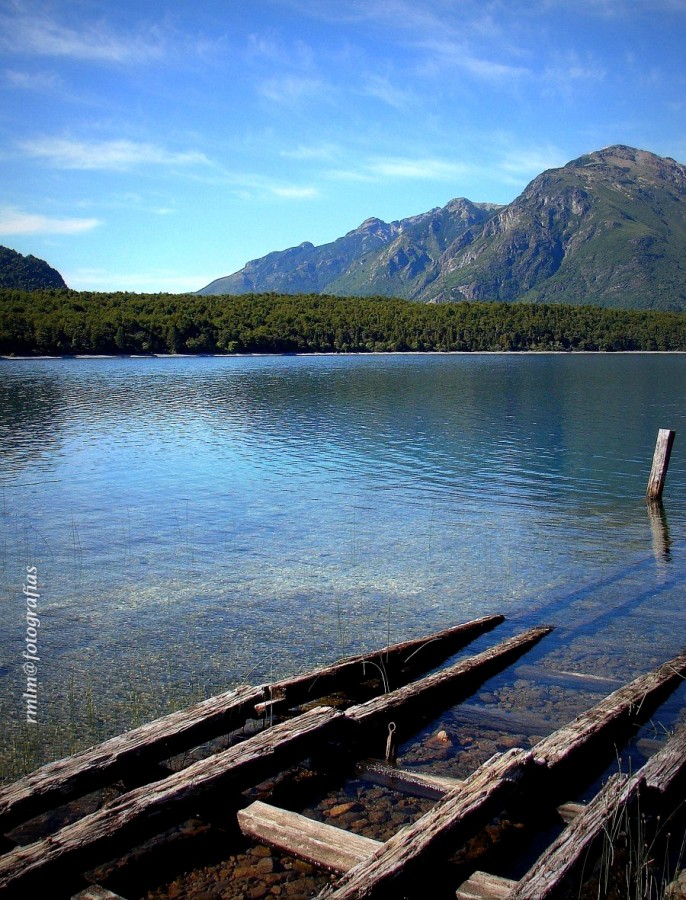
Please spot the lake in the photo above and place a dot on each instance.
(195, 523)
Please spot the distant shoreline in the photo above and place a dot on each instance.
(351, 353)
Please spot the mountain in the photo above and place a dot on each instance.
(607, 229)
(27, 273)
(395, 259)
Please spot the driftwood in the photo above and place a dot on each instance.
(418, 654)
(419, 784)
(623, 706)
(465, 671)
(402, 852)
(58, 782)
(150, 808)
(452, 820)
(567, 854)
(324, 845)
(74, 776)
(551, 873)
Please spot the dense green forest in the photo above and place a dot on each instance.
(63, 322)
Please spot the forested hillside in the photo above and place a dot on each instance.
(70, 322)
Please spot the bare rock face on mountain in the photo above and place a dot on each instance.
(377, 258)
(607, 229)
(27, 273)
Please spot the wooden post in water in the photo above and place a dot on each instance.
(663, 450)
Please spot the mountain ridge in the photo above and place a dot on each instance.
(606, 229)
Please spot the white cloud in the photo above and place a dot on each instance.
(292, 89)
(416, 167)
(119, 155)
(420, 168)
(25, 28)
(322, 152)
(15, 221)
(32, 81)
(382, 89)
(293, 192)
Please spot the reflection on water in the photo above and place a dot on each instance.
(200, 522)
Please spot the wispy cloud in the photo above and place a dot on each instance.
(33, 81)
(117, 155)
(293, 192)
(291, 89)
(519, 163)
(446, 53)
(15, 221)
(322, 152)
(399, 167)
(28, 29)
(383, 89)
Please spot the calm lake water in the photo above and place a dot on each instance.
(196, 523)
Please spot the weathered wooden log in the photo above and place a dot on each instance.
(464, 672)
(565, 856)
(151, 808)
(551, 873)
(663, 770)
(316, 842)
(387, 867)
(451, 821)
(419, 784)
(59, 782)
(658, 471)
(482, 886)
(95, 892)
(418, 654)
(633, 701)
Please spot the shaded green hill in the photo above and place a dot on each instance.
(27, 273)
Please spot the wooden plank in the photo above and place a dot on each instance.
(504, 721)
(58, 782)
(316, 842)
(418, 784)
(668, 765)
(465, 671)
(564, 858)
(413, 655)
(569, 811)
(153, 807)
(573, 680)
(623, 705)
(96, 892)
(482, 886)
(567, 854)
(658, 471)
(451, 821)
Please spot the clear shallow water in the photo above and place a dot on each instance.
(201, 522)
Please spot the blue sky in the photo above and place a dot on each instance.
(155, 146)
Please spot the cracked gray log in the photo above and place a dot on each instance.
(152, 807)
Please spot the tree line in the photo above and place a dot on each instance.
(65, 322)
